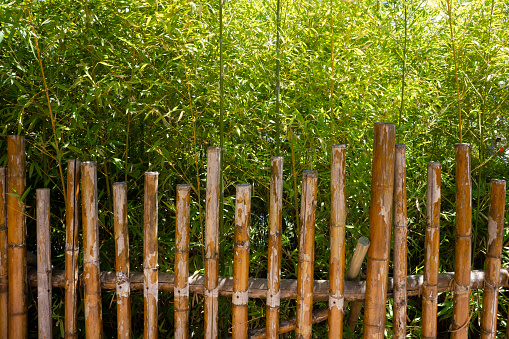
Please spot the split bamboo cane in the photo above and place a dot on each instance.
(493, 260)
(4, 286)
(274, 255)
(432, 243)
(462, 260)
(123, 287)
(91, 270)
(305, 268)
(181, 293)
(380, 222)
(353, 271)
(44, 287)
(16, 237)
(212, 242)
(240, 298)
(150, 256)
(337, 242)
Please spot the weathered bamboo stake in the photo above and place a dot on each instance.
(4, 286)
(71, 247)
(44, 303)
(240, 296)
(431, 246)
(212, 242)
(337, 242)
(16, 237)
(122, 268)
(181, 293)
(400, 243)
(305, 266)
(462, 260)
(150, 256)
(380, 222)
(91, 270)
(353, 271)
(493, 260)
(274, 255)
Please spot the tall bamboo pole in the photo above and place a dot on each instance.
(44, 304)
(150, 256)
(337, 241)
(123, 286)
(305, 266)
(91, 270)
(431, 259)
(16, 237)
(274, 254)
(212, 242)
(181, 293)
(462, 260)
(4, 284)
(71, 247)
(493, 260)
(380, 221)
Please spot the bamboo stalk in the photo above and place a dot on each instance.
(462, 260)
(380, 221)
(493, 260)
(181, 293)
(123, 288)
(44, 303)
(240, 296)
(150, 256)
(432, 244)
(4, 285)
(71, 248)
(91, 270)
(212, 242)
(337, 242)
(353, 271)
(305, 266)
(274, 252)
(16, 237)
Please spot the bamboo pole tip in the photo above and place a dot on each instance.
(73, 160)
(184, 187)
(213, 149)
(309, 174)
(42, 190)
(363, 241)
(88, 164)
(434, 165)
(338, 147)
(400, 147)
(276, 158)
(389, 125)
(120, 184)
(243, 185)
(498, 182)
(151, 174)
(16, 138)
(462, 145)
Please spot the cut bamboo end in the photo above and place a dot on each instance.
(44, 287)
(4, 287)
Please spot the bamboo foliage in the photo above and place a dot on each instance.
(4, 284)
(44, 304)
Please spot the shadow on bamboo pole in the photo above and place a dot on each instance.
(431, 247)
(380, 222)
(44, 304)
(4, 286)
(493, 260)
(16, 237)
(353, 271)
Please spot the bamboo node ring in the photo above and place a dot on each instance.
(240, 298)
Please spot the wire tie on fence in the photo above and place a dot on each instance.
(464, 236)
(18, 246)
(457, 288)
(493, 286)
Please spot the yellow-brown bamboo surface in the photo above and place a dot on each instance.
(122, 268)
(431, 248)
(240, 296)
(181, 293)
(353, 272)
(212, 242)
(337, 242)
(16, 237)
(4, 285)
(91, 270)
(380, 222)
(274, 255)
(150, 256)
(463, 259)
(44, 304)
(71, 247)
(493, 260)
(305, 266)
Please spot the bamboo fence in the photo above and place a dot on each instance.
(4, 284)
(44, 287)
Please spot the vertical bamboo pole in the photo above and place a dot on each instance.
(212, 242)
(71, 247)
(353, 271)
(240, 296)
(462, 260)
(275, 234)
(4, 286)
(400, 243)
(150, 256)
(44, 303)
(380, 220)
(493, 260)
(123, 286)
(91, 270)
(305, 267)
(181, 292)
(337, 242)
(16, 237)
(432, 242)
